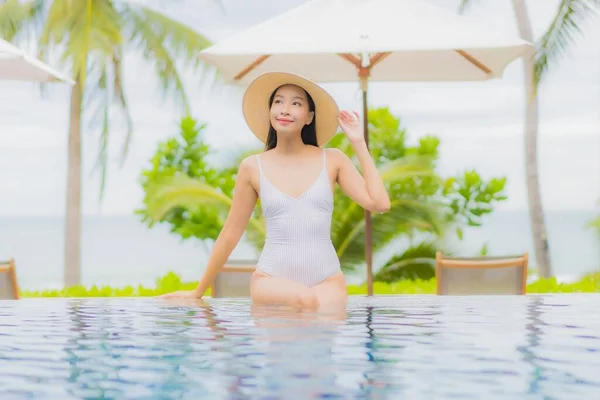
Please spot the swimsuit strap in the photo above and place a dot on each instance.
(259, 164)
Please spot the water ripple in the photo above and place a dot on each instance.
(532, 347)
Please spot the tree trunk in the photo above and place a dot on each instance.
(536, 212)
(72, 272)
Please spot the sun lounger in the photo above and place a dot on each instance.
(9, 289)
(481, 275)
(234, 279)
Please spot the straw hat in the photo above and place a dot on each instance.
(255, 104)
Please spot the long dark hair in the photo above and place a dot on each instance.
(309, 132)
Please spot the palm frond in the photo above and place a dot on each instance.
(407, 167)
(105, 83)
(119, 93)
(561, 33)
(15, 15)
(415, 262)
(184, 42)
(101, 117)
(464, 4)
(391, 173)
(183, 191)
(22, 21)
(88, 30)
(404, 216)
(162, 41)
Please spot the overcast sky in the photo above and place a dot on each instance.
(480, 124)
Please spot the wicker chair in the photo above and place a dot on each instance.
(481, 275)
(9, 288)
(233, 280)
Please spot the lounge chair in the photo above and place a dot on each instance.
(9, 289)
(481, 275)
(233, 280)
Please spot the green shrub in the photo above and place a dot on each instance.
(590, 283)
(166, 284)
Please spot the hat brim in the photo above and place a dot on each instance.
(255, 104)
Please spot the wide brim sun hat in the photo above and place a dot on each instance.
(255, 104)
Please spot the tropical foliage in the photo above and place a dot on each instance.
(193, 197)
(183, 158)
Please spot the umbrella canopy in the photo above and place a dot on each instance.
(326, 40)
(367, 40)
(16, 65)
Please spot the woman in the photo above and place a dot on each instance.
(294, 179)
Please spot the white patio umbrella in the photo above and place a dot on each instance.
(367, 40)
(15, 64)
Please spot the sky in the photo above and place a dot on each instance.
(480, 124)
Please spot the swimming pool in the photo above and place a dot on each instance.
(381, 347)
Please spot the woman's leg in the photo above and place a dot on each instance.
(332, 292)
(266, 289)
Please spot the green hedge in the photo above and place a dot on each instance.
(171, 282)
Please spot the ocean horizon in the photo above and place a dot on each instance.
(120, 250)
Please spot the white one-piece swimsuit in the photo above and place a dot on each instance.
(298, 238)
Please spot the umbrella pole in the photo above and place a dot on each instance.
(368, 229)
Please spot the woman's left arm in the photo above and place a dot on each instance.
(368, 191)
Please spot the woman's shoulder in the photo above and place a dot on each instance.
(334, 151)
(334, 154)
(249, 165)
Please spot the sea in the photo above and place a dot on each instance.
(121, 250)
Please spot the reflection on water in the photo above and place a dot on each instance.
(382, 347)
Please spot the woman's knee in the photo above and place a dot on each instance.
(307, 299)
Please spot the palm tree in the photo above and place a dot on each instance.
(550, 47)
(91, 38)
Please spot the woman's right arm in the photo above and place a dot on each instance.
(243, 203)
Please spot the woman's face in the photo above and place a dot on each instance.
(290, 111)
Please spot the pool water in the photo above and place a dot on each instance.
(389, 347)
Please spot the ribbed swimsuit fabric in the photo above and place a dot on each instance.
(298, 242)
